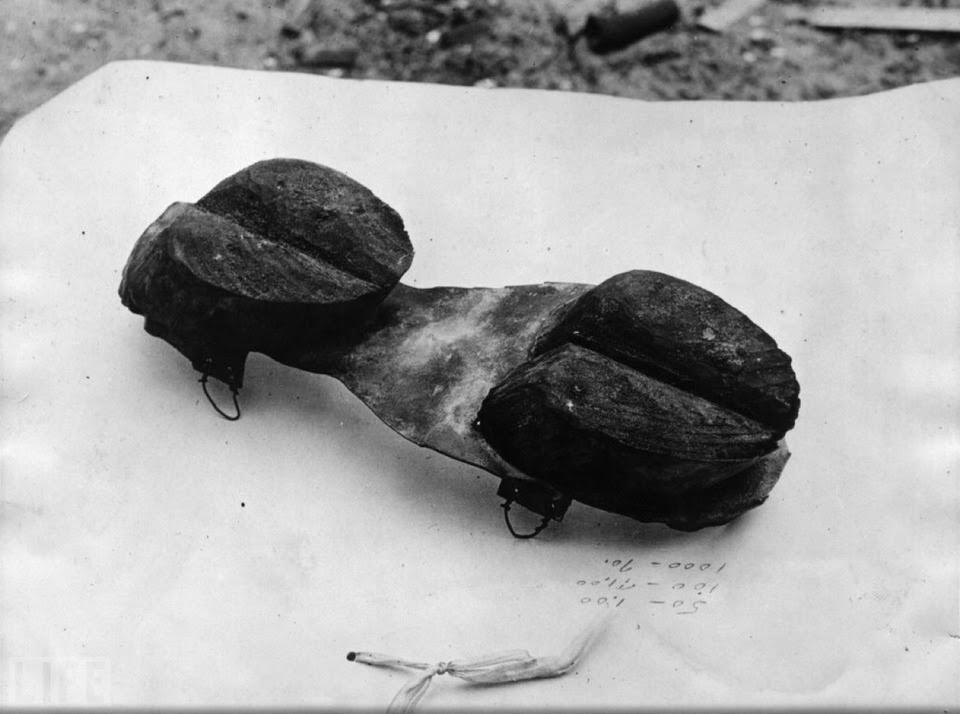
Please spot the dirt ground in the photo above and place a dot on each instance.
(47, 45)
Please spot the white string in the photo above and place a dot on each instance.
(503, 667)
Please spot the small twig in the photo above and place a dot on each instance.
(500, 668)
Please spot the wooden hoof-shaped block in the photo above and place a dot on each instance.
(281, 250)
(644, 396)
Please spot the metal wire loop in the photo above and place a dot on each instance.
(236, 403)
(536, 531)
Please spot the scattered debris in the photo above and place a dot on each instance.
(322, 56)
(465, 34)
(528, 46)
(904, 19)
(299, 16)
(410, 21)
(720, 18)
(761, 36)
(300, 12)
(571, 16)
(609, 32)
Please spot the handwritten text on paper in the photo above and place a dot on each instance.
(681, 587)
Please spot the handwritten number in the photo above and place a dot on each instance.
(680, 607)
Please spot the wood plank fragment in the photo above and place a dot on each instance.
(720, 18)
(906, 19)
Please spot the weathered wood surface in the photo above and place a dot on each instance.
(279, 248)
(901, 19)
(720, 18)
(645, 395)
(686, 336)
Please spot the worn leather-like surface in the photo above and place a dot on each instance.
(153, 552)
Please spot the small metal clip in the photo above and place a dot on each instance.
(236, 403)
(535, 532)
(538, 497)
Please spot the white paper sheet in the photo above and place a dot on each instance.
(153, 553)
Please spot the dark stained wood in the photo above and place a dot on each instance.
(645, 395)
(585, 422)
(281, 249)
(431, 360)
(686, 336)
(321, 214)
